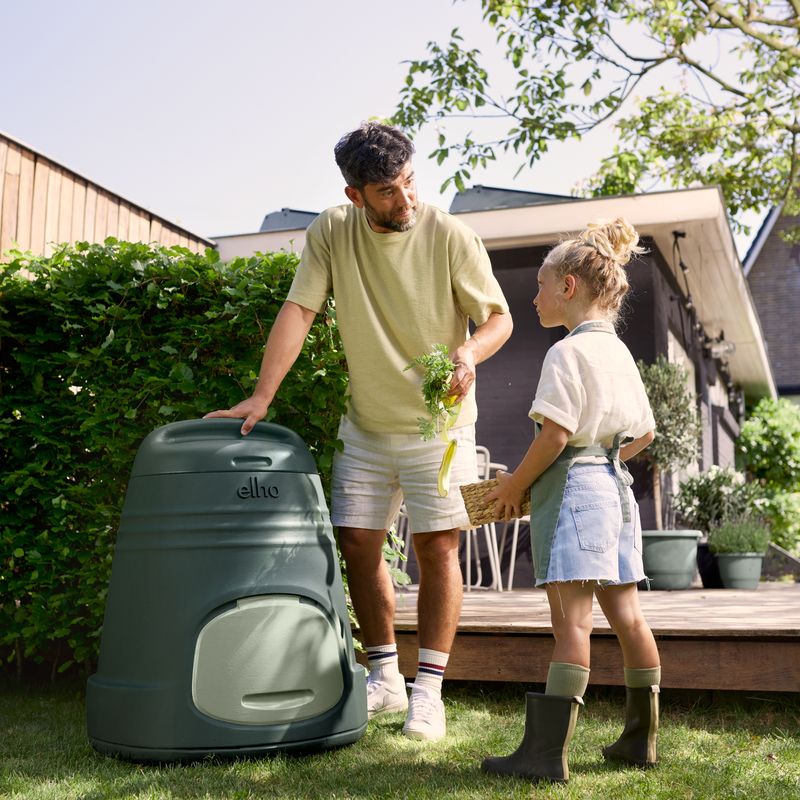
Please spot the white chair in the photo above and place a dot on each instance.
(485, 468)
(514, 524)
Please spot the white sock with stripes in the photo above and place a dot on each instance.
(383, 663)
(431, 668)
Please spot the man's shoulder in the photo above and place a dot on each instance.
(335, 215)
(435, 216)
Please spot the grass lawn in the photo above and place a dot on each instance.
(727, 747)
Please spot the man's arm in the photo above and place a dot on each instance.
(485, 342)
(284, 344)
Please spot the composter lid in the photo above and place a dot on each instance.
(217, 445)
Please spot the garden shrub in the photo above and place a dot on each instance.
(99, 345)
(782, 512)
(769, 449)
(769, 444)
(716, 495)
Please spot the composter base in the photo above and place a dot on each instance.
(162, 755)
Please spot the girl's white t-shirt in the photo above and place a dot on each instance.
(591, 386)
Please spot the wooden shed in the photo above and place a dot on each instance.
(43, 203)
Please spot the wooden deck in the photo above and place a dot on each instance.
(708, 639)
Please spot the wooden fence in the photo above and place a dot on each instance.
(43, 204)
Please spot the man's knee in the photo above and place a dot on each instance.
(358, 544)
(440, 547)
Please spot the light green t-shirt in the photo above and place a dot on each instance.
(396, 295)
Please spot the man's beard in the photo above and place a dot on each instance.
(389, 222)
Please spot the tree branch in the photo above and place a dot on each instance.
(771, 41)
(690, 62)
(790, 22)
(630, 57)
(793, 167)
(624, 95)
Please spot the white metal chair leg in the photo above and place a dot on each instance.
(478, 565)
(490, 534)
(467, 553)
(470, 542)
(513, 560)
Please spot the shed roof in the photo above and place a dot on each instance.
(488, 198)
(761, 237)
(287, 219)
(716, 279)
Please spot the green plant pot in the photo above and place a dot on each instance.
(740, 570)
(670, 557)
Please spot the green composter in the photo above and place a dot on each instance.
(226, 630)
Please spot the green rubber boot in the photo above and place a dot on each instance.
(549, 724)
(637, 744)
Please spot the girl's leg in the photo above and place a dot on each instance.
(638, 742)
(571, 618)
(620, 604)
(550, 718)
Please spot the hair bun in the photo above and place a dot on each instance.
(615, 240)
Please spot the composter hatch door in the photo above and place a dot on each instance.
(272, 659)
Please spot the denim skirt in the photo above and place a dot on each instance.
(591, 541)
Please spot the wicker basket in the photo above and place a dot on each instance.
(480, 512)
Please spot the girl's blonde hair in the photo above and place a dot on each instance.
(598, 256)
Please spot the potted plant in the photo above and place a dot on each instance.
(705, 500)
(670, 555)
(740, 544)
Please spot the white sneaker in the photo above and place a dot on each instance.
(384, 697)
(425, 719)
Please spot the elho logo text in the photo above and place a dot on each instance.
(255, 489)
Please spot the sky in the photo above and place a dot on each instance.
(214, 114)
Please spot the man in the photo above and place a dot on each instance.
(404, 276)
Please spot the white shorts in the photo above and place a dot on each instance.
(376, 472)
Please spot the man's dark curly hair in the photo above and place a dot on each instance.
(373, 153)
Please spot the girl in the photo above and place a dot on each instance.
(592, 414)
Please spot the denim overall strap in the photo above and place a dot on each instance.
(623, 476)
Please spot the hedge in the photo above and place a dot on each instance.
(99, 345)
